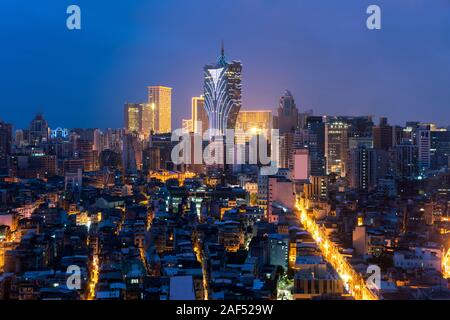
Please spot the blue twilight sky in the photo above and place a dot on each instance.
(319, 49)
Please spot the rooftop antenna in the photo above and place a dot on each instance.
(222, 60)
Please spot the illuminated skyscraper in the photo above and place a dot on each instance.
(316, 129)
(222, 90)
(133, 116)
(147, 119)
(336, 146)
(286, 150)
(424, 146)
(363, 168)
(160, 100)
(254, 122)
(440, 148)
(140, 118)
(199, 114)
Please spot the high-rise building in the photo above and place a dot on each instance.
(85, 151)
(139, 118)
(112, 140)
(5, 144)
(222, 91)
(362, 169)
(398, 134)
(131, 154)
(301, 170)
(440, 148)
(38, 131)
(165, 145)
(199, 115)
(406, 160)
(254, 120)
(286, 150)
(151, 159)
(336, 146)
(251, 123)
(316, 129)
(317, 189)
(302, 121)
(423, 141)
(360, 126)
(382, 135)
(160, 101)
(43, 165)
(147, 119)
(263, 192)
(35, 165)
(287, 113)
(133, 117)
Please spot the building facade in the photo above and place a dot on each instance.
(160, 101)
(287, 113)
(222, 91)
(200, 122)
(336, 146)
(139, 118)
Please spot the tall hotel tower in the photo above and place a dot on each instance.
(222, 92)
(160, 100)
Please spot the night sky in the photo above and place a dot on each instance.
(319, 49)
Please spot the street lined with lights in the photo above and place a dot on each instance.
(354, 283)
(93, 278)
(446, 265)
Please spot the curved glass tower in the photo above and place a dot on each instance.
(222, 90)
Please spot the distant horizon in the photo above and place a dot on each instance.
(374, 119)
(322, 52)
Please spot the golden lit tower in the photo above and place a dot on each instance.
(160, 99)
(254, 122)
(199, 114)
(139, 118)
(133, 116)
(147, 119)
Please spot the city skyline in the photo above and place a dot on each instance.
(240, 152)
(381, 81)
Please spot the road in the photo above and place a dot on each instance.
(446, 265)
(353, 281)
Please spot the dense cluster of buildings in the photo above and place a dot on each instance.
(134, 224)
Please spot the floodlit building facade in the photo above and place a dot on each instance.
(222, 91)
(160, 100)
(200, 122)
